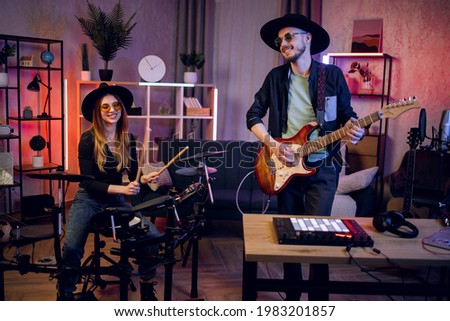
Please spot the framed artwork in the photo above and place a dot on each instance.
(367, 35)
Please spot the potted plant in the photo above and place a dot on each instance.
(38, 143)
(85, 72)
(193, 61)
(7, 51)
(108, 32)
(27, 112)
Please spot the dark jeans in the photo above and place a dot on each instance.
(310, 195)
(78, 227)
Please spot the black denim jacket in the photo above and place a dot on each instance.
(273, 96)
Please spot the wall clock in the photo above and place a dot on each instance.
(152, 68)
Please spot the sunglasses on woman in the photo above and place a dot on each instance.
(106, 107)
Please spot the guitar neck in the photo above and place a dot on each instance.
(409, 184)
(323, 141)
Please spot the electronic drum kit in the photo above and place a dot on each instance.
(114, 220)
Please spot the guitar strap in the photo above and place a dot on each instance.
(321, 95)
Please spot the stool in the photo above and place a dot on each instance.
(103, 224)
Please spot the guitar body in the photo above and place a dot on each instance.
(271, 173)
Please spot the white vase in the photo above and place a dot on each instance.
(38, 161)
(190, 77)
(85, 75)
(3, 79)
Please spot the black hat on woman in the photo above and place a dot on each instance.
(87, 107)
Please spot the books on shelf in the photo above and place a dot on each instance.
(194, 108)
(192, 102)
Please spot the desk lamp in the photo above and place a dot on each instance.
(34, 86)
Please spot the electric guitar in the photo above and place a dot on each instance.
(273, 175)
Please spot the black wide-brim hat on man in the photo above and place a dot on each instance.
(87, 107)
(320, 38)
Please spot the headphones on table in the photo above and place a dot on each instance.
(393, 222)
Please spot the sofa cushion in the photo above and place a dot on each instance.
(356, 181)
(343, 205)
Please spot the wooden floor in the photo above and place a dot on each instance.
(220, 273)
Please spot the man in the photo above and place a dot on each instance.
(296, 93)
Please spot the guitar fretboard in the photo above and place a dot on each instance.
(321, 142)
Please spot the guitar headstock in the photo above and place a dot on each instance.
(395, 109)
(413, 138)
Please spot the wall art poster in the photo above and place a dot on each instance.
(367, 35)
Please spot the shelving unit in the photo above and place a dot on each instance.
(15, 97)
(163, 110)
(370, 151)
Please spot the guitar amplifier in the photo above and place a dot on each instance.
(6, 130)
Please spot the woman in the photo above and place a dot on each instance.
(105, 151)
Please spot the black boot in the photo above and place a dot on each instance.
(148, 292)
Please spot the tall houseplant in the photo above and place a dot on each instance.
(7, 51)
(85, 72)
(108, 32)
(193, 61)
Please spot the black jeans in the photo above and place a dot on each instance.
(310, 195)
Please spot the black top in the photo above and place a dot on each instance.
(88, 166)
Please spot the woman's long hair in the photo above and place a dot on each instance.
(120, 147)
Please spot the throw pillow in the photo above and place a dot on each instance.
(164, 178)
(356, 181)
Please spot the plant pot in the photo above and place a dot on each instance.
(367, 83)
(38, 161)
(190, 77)
(85, 75)
(105, 74)
(27, 114)
(3, 79)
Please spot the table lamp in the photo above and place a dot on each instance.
(34, 86)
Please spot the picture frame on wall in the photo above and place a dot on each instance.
(367, 35)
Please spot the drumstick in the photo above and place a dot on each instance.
(140, 164)
(141, 155)
(173, 160)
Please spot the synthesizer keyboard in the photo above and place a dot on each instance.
(320, 231)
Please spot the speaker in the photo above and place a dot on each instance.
(35, 206)
(395, 222)
(6, 130)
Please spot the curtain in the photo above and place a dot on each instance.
(195, 32)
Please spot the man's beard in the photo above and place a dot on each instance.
(298, 53)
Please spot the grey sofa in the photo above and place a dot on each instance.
(234, 186)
